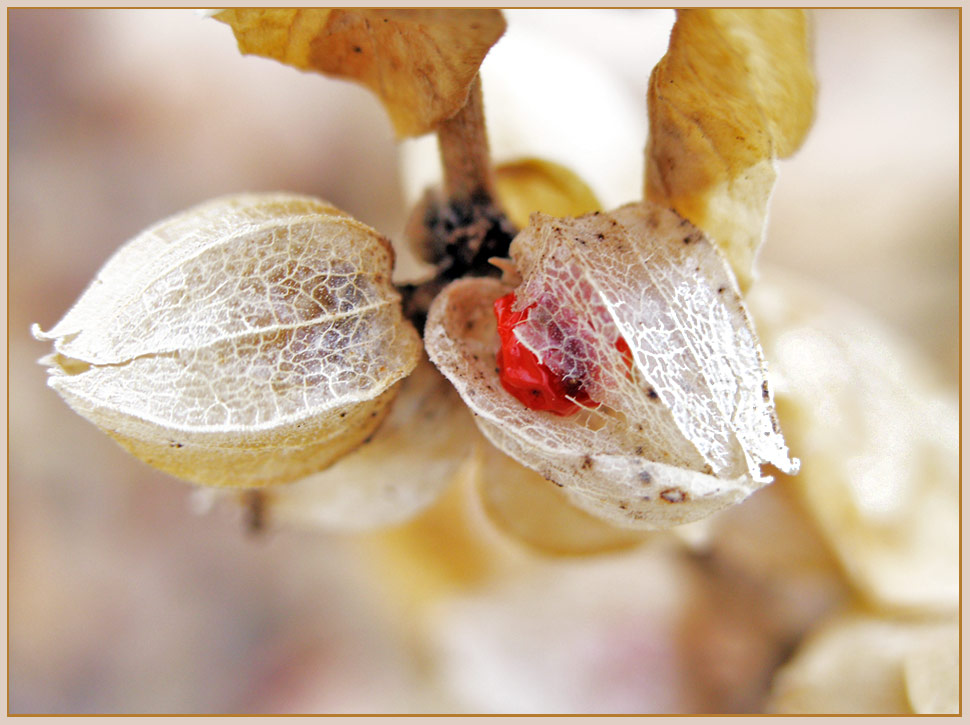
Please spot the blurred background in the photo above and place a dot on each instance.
(123, 598)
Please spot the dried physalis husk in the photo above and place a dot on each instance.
(420, 62)
(734, 92)
(250, 340)
(676, 433)
(517, 499)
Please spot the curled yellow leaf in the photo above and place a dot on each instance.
(734, 92)
(420, 62)
(528, 185)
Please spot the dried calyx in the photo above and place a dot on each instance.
(686, 430)
(734, 93)
(250, 340)
(681, 434)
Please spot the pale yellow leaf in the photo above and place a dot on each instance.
(734, 92)
(530, 185)
(419, 62)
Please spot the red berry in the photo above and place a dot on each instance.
(625, 351)
(528, 379)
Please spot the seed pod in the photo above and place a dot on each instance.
(678, 434)
(250, 340)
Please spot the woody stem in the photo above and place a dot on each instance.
(463, 146)
(463, 231)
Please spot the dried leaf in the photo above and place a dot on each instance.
(734, 92)
(680, 435)
(250, 340)
(420, 62)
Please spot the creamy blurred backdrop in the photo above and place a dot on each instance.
(121, 597)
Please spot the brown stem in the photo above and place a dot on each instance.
(462, 230)
(254, 505)
(463, 145)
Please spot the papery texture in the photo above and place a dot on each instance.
(249, 340)
(681, 434)
(734, 92)
(420, 62)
